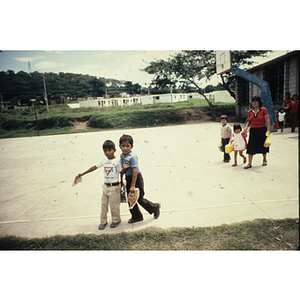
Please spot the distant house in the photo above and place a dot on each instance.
(281, 73)
(124, 95)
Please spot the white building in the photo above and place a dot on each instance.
(217, 96)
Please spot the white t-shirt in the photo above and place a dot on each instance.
(281, 116)
(112, 168)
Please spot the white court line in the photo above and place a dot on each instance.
(165, 211)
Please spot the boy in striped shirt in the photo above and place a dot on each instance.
(226, 134)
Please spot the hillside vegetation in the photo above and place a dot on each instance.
(61, 118)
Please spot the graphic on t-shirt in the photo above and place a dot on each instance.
(108, 170)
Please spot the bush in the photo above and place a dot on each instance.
(54, 122)
(13, 124)
(98, 121)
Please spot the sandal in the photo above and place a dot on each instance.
(264, 163)
(248, 167)
(234, 165)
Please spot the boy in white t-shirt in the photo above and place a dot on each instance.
(111, 187)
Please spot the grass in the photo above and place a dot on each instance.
(260, 234)
(60, 118)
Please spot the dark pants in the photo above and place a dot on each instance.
(293, 121)
(224, 143)
(149, 206)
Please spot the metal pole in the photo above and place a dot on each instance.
(37, 124)
(171, 95)
(2, 105)
(46, 98)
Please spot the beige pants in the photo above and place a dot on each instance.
(111, 197)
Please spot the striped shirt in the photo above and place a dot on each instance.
(225, 131)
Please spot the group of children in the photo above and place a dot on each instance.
(237, 137)
(114, 170)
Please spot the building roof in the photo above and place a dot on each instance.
(274, 60)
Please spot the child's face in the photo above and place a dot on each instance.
(109, 153)
(126, 147)
(223, 121)
(237, 130)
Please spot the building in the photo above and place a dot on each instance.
(281, 73)
(216, 96)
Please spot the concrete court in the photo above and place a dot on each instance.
(182, 169)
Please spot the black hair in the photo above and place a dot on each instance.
(126, 138)
(258, 99)
(237, 126)
(224, 117)
(108, 144)
(295, 95)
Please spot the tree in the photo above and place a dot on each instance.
(188, 68)
(185, 68)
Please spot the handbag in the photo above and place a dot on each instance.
(276, 125)
(229, 148)
(267, 142)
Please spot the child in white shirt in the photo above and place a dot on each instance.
(111, 187)
(281, 118)
(239, 142)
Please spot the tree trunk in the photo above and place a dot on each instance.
(226, 87)
(202, 94)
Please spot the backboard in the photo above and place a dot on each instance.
(223, 61)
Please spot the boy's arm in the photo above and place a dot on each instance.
(121, 176)
(125, 166)
(133, 181)
(91, 169)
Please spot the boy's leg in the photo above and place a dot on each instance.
(104, 205)
(149, 206)
(226, 155)
(114, 203)
(135, 211)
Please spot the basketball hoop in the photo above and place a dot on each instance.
(223, 61)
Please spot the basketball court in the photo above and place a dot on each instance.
(182, 167)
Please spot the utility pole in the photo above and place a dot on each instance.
(29, 68)
(46, 98)
(2, 105)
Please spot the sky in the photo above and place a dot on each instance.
(122, 65)
(117, 64)
(117, 41)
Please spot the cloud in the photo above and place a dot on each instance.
(28, 58)
(48, 65)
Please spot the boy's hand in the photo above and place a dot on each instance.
(126, 166)
(132, 189)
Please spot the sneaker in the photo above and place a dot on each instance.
(102, 226)
(131, 221)
(115, 224)
(157, 212)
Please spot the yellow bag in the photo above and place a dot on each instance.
(229, 148)
(267, 141)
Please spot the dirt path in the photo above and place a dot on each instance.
(80, 125)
